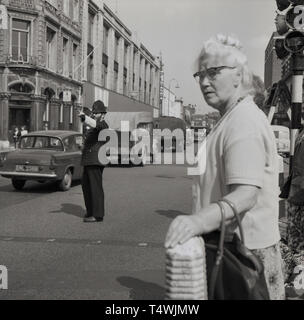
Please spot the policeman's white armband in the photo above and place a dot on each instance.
(90, 122)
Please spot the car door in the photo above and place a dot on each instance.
(71, 157)
(78, 145)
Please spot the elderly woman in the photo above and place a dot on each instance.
(241, 162)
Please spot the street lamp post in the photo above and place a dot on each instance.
(169, 93)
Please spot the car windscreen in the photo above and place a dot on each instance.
(40, 142)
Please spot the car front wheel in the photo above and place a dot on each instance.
(18, 184)
(66, 182)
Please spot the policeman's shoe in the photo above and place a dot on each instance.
(92, 219)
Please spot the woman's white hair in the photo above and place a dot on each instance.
(231, 48)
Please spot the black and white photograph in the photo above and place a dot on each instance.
(151, 150)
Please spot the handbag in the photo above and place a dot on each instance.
(233, 271)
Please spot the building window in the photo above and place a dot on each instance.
(126, 51)
(76, 10)
(51, 49)
(105, 39)
(150, 91)
(134, 60)
(75, 61)
(116, 48)
(46, 111)
(151, 74)
(125, 74)
(104, 70)
(61, 113)
(115, 79)
(20, 40)
(104, 75)
(133, 82)
(90, 67)
(71, 114)
(66, 7)
(65, 48)
(91, 28)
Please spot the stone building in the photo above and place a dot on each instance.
(117, 67)
(38, 52)
(59, 55)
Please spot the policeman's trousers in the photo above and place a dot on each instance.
(92, 189)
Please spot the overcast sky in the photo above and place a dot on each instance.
(177, 28)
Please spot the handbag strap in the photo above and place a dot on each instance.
(219, 253)
(237, 216)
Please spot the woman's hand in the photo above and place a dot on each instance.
(182, 229)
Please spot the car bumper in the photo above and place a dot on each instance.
(28, 175)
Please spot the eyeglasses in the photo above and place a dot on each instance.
(210, 73)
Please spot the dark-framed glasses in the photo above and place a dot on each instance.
(210, 73)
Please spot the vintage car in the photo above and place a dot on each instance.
(44, 156)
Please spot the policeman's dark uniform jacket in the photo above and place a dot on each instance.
(92, 185)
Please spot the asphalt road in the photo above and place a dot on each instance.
(51, 254)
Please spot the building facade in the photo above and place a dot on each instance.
(169, 103)
(118, 69)
(38, 51)
(59, 55)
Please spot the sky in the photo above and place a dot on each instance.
(178, 28)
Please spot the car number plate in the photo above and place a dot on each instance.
(25, 168)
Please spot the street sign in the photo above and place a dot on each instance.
(3, 17)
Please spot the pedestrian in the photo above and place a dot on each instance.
(16, 136)
(92, 184)
(240, 163)
(23, 131)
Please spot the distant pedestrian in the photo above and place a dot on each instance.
(16, 136)
(23, 131)
(92, 184)
(240, 164)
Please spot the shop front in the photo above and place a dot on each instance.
(36, 102)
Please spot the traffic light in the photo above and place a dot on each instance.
(290, 27)
(282, 4)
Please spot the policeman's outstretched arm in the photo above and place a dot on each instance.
(87, 120)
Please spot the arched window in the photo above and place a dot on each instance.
(49, 92)
(61, 108)
(74, 99)
(21, 87)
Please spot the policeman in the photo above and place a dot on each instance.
(92, 186)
